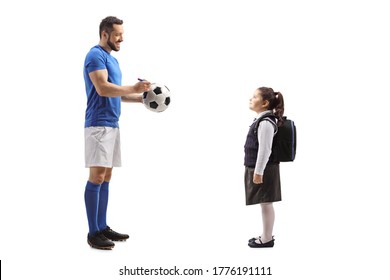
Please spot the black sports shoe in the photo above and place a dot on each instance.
(113, 235)
(99, 241)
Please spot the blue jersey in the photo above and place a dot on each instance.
(101, 111)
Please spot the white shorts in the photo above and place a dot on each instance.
(102, 146)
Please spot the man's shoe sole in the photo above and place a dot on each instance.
(100, 247)
(123, 239)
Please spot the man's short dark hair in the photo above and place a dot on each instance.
(107, 24)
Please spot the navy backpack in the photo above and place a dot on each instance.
(284, 144)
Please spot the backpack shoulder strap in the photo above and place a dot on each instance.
(267, 117)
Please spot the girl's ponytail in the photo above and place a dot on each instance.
(279, 108)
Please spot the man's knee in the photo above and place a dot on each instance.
(97, 175)
(107, 176)
(98, 180)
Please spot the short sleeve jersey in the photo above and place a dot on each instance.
(101, 111)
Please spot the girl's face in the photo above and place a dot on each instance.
(256, 103)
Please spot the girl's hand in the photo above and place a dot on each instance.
(257, 179)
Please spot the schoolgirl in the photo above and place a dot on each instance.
(262, 178)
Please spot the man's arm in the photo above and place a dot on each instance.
(104, 88)
(132, 98)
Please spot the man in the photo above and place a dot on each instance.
(105, 93)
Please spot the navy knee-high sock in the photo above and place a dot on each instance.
(91, 198)
(103, 202)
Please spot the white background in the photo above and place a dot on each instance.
(180, 191)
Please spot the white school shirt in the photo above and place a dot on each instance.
(265, 135)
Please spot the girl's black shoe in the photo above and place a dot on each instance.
(268, 244)
(253, 239)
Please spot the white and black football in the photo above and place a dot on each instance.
(157, 99)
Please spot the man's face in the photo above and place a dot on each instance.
(115, 38)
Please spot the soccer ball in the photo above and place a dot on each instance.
(157, 99)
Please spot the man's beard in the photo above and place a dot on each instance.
(112, 45)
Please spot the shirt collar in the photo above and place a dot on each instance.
(262, 114)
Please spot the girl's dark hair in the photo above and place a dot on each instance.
(276, 103)
(107, 24)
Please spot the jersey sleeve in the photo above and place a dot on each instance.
(95, 60)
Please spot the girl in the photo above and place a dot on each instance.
(262, 179)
